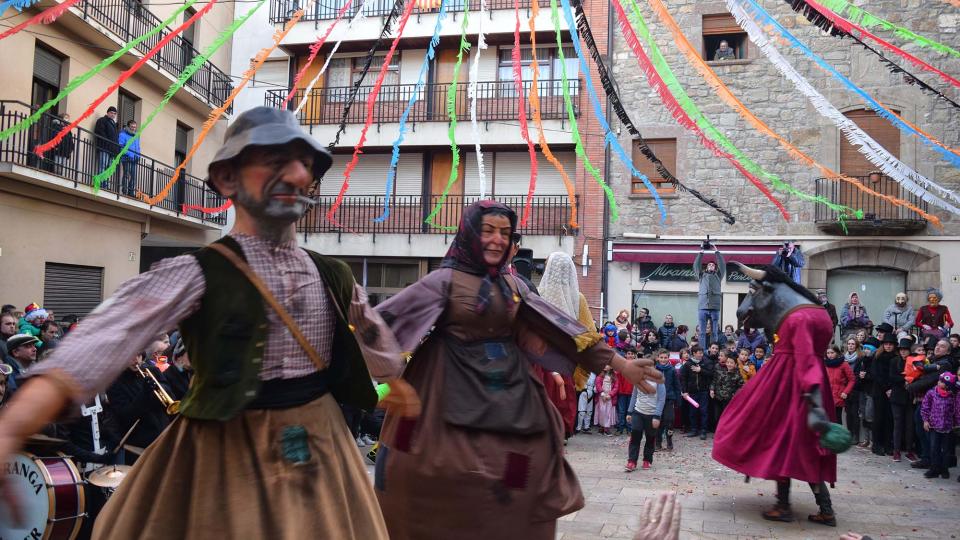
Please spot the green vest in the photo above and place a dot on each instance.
(225, 339)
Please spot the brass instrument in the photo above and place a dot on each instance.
(172, 406)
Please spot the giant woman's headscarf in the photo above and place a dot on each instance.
(559, 284)
(466, 250)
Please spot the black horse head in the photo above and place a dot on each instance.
(772, 295)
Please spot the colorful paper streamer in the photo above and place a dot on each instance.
(19, 5)
(472, 93)
(41, 149)
(84, 77)
(522, 114)
(314, 51)
(452, 130)
(215, 114)
(572, 117)
(610, 138)
(371, 101)
(414, 96)
(46, 16)
(861, 16)
(679, 113)
(866, 145)
(185, 208)
(837, 26)
(773, 25)
(693, 57)
(538, 118)
(583, 26)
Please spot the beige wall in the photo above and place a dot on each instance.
(210, 25)
(157, 141)
(36, 232)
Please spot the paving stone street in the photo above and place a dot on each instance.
(873, 496)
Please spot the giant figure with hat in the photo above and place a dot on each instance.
(797, 439)
(260, 449)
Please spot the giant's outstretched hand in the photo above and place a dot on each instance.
(639, 371)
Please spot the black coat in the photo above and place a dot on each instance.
(898, 394)
(864, 363)
(131, 399)
(107, 135)
(883, 363)
(693, 382)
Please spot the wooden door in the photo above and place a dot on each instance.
(853, 163)
(449, 215)
(444, 68)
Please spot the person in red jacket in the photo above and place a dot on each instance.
(841, 379)
(934, 318)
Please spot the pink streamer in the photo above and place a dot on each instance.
(215, 210)
(371, 101)
(314, 51)
(522, 115)
(46, 16)
(123, 77)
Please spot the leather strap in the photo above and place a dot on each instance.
(274, 303)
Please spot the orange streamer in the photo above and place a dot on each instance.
(727, 96)
(538, 120)
(219, 111)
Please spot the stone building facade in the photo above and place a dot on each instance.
(888, 250)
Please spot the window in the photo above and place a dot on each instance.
(188, 39)
(70, 289)
(181, 143)
(384, 279)
(666, 151)
(344, 71)
(723, 28)
(128, 108)
(47, 69)
(273, 74)
(550, 67)
(852, 162)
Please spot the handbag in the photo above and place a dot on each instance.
(868, 410)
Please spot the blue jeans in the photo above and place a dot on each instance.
(623, 401)
(703, 398)
(714, 316)
(129, 181)
(104, 158)
(922, 438)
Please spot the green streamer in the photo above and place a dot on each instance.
(691, 109)
(451, 132)
(568, 103)
(185, 76)
(80, 79)
(858, 15)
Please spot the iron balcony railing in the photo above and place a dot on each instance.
(128, 19)
(79, 160)
(496, 100)
(550, 214)
(875, 209)
(282, 10)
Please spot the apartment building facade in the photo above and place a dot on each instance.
(391, 253)
(66, 244)
(890, 249)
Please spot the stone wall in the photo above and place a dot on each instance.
(758, 84)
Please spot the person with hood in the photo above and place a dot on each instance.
(696, 376)
(666, 332)
(934, 318)
(883, 363)
(940, 416)
(854, 316)
(611, 335)
(671, 382)
(751, 338)
(709, 297)
(900, 315)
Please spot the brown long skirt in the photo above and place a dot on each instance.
(223, 480)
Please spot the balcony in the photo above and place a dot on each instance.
(80, 165)
(880, 218)
(550, 214)
(128, 19)
(496, 101)
(282, 10)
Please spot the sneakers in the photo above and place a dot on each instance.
(829, 520)
(359, 442)
(896, 456)
(631, 466)
(646, 465)
(931, 473)
(864, 445)
(912, 458)
(367, 441)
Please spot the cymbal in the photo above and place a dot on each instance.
(109, 476)
(42, 440)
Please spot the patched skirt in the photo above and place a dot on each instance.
(277, 473)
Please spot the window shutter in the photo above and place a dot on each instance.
(46, 66)
(72, 289)
(720, 24)
(852, 162)
(512, 173)
(549, 181)
(666, 151)
(273, 74)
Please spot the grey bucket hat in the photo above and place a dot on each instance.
(266, 126)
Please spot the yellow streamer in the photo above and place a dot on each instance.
(219, 111)
(727, 96)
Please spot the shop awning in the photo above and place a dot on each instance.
(752, 254)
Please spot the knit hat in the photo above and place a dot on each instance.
(35, 314)
(948, 378)
(19, 340)
(884, 327)
(31, 307)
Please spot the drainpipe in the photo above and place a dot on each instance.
(604, 265)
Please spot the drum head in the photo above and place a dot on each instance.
(28, 482)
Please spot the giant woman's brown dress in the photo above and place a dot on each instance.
(504, 475)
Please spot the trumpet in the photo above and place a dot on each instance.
(172, 406)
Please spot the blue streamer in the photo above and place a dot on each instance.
(758, 11)
(19, 5)
(395, 156)
(610, 138)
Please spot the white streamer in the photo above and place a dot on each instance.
(866, 145)
(306, 92)
(472, 92)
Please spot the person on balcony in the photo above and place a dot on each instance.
(130, 160)
(106, 134)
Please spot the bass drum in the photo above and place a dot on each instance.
(50, 492)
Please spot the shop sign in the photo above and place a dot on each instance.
(682, 272)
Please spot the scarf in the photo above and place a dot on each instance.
(850, 357)
(833, 363)
(943, 392)
(466, 251)
(559, 284)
